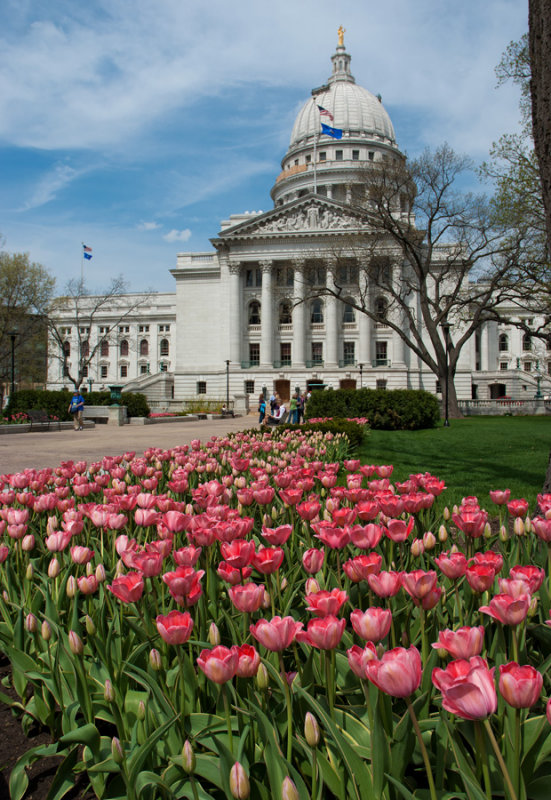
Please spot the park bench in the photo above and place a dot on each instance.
(39, 418)
(227, 412)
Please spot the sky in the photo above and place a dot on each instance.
(136, 126)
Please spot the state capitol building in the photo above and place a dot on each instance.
(255, 300)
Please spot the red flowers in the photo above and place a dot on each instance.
(520, 686)
(397, 673)
(467, 688)
(175, 627)
(276, 634)
(128, 588)
(372, 624)
(508, 610)
(464, 643)
(220, 663)
(324, 633)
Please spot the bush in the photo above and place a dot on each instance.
(354, 432)
(57, 403)
(396, 409)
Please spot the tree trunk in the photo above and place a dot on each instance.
(454, 412)
(539, 22)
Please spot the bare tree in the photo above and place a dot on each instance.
(82, 309)
(438, 257)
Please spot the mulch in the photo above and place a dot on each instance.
(14, 743)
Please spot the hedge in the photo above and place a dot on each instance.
(57, 403)
(354, 432)
(386, 409)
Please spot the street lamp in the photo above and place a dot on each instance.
(446, 329)
(13, 335)
(361, 366)
(228, 384)
(538, 395)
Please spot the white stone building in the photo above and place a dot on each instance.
(240, 302)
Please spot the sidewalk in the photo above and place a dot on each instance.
(49, 448)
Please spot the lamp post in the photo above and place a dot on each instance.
(13, 335)
(228, 384)
(361, 366)
(446, 329)
(538, 395)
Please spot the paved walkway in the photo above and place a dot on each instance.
(49, 448)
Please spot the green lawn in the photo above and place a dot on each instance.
(473, 455)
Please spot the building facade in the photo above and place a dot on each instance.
(250, 315)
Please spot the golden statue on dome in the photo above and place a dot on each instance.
(341, 33)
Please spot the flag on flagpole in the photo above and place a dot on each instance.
(87, 251)
(325, 113)
(335, 133)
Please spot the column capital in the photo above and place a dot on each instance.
(299, 264)
(234, 268)
(266, 265)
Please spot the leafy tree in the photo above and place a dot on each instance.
(26, 289)
(80, 309)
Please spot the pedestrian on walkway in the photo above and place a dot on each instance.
(76, 408)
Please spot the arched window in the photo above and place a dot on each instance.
(164, 347)
(285, 313)
(104, 348)
(317, 312)
(526, 342)
(123, 348)
(349, 314)
(144, 347)
(381, 308)
(503, 343)
(254, 313)
(85, 349)
(66, 349)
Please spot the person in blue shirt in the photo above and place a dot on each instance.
(76, 408)
(261, 409)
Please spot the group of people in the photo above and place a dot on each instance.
(277, 412)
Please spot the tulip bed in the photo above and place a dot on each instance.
(270, 618)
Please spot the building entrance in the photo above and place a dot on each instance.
(283, 389)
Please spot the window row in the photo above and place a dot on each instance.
(144, 369)
(316, 308)
(503, 343)
(124, 348)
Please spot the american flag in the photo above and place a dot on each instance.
(325, 113)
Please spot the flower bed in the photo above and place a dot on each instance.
(270, 617)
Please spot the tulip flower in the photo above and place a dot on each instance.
(517, 508)
(373, 624)
(500, 496)
(385, 584)
(277, 536)
(453, 565)
(312, 560)
(398, 530)
(358, 657)
(397, 673)
(333, 537)
(418, 583)
(232, 575)
(467, 688)
(463, 643)
(359, 568)
(489, 559)
(239, 782)
(248, 661)
(128, 588)
(533, 576)
(323, 603)
(175, 627)
(366, 537)
(480, 578)
(219, 664)
(323, 632)
(268, 559)
(247, 598)
(471, 520)
(508, 610)
(276, 634)
(520, 686)
(238, 553)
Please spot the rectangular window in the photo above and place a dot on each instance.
(323, 156)
(338, 155)
(503, 365)
(317, 352)
(290, 276)
(85, 372)
(258, 273)
(355, 155)
(143, 369)
(285, 353)
(164, 328)
(349, 353)
(371, 155)
(438, 388)
(249, 274)
(144, 328)
(124, 329)
(381, 349)
(280, 276)
(249, 387)
(103, 371)
(528, 366)
(308, 159)
(254, 354)
(381, 384)
(163, 367)
(124, 371)
(201, 387)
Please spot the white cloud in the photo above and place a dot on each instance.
(177, 236)
(51, 184)
(148, 226)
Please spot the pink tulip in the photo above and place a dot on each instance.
(419, 583)
(500, 496)
(277, 536)
(81, 555)
(359, 568)
(182, 579)
(248, 661)
(220, 663)
(128, 588)
(324, 603)
(533, 576)
(268, 559)
(232, 575)
(520, 686)
(517, 508)
(333, 537)
(358, 657)
(467, 688)
(247, 598)
(397, 673)
(366, 537)
(480, 578)
(471, 521)
(398, 530)
(87, 584)
(453, 565)
(4, 552)
(373, 624)
(323, 632)
(385, 584)
(542, 528)
(489, 559)
(508, 610)
(276, 634)
(463, 643)
(312, 560)
(187, 556)
(238, 553)
(175, 627)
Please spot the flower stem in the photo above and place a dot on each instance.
(501, 762)
(424, 753)
(228, 715)
(483, 755)
(288, 702)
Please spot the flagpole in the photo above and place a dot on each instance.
(316, 163)
(82, 265)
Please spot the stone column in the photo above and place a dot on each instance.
(236, 304)
(364, 344)
(299, 315)
(331, 322)
(266, 330)
(485, 347)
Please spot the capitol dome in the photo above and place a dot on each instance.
(324, 163)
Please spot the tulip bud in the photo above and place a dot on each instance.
(46, 631)
(239, 782)
(188, 758)
(27, 543)
(31, 623)
(311, 586)
(214, 635)
(380, 648)
(266, 521)
(141, 711)
(311, 729)
(155, 659)
(275, 513)
(288, 789)
(405, 640)
(442, 533)
(71, 587)
(487, 531)
(108, 691)
(518, 526)
(90, 626)
(429, 540)
(548, 711)
(503, 534)
(117, 751)
(455, 511)
(53, 568)
(75, 643)
(89, 568)
(533, 608)
(262, 677)
(446, 513)
(100, 573)
(266, 600)
(119, 569)
(284, 584)
(6, 596)
(528, 525)
(417, 548)
(29, 572)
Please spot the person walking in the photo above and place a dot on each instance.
(293, 409)
(76, 408)
(261, 408)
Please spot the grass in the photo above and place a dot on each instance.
(472, 456)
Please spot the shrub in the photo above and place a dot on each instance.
(57, 403)
(396, 409)
(354, 432)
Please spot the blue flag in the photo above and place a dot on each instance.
(336, 133)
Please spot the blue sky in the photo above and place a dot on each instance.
(136, 126)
